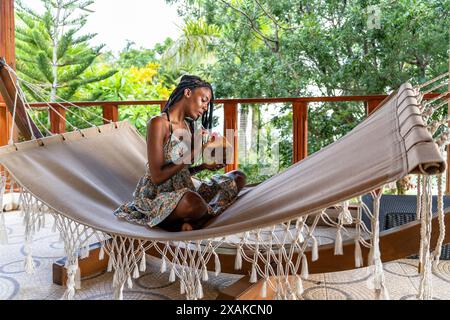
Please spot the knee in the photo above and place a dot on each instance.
(192, 206)
(240, 178)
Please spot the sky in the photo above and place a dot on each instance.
(145, 22)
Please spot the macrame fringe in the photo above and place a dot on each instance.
(305, 273)
(315, 249)
(163, 265)
(426, 258)
(264, 289)
(338, 248)
(238, 259)
(13, 204)
(84, 252)
(217, 264)
(71, 282)
(135, 271)
(298, 286)
(419, 197)
(110, 264)
(129, 282)
(205, 274)
(374, 255)
(345, 217)
(29, 262)
(253, 276)
(358, 254)
(441, 218)
(29, 266)
(75, 237)
(78, 278)
(172, 275)
(101, 254)
(124, 255)
(54, 226)
(199, 290)
(182, 287)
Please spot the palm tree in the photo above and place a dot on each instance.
(193, 48)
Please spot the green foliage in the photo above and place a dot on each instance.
(133, 83)
(330, 121)
(131, 57)
(252, 48)
(280, 48)
(193, 51)
(49, 52)
(206, 174)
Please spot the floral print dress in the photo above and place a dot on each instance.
(152, 203)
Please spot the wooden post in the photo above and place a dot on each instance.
(110, 113)
(372, 105)
(6, 51)
(5, 122)
(300, 130)
(230, 128)
(8, 91)
(58, 120)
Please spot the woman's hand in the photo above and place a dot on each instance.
(213, 166)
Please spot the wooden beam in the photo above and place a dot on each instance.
(236, 101)
(300, 130)
(8, 92)
(7, 51)
(230, 129)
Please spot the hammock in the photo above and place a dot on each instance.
(80, 178)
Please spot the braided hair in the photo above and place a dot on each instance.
(192, 82)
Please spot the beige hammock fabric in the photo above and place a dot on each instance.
(86, 175)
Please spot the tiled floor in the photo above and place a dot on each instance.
(401, 276)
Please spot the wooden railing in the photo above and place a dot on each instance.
(111, 111)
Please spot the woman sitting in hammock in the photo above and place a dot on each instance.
(166, 195)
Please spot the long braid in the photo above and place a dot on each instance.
(192, 82)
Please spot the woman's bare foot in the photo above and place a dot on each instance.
(186, 227)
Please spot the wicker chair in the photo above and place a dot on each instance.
(396, 210)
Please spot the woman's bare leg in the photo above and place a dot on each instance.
(192, 210)
(189, 214)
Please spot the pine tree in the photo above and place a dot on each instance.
(50, 53)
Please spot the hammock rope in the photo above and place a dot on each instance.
(39, 92)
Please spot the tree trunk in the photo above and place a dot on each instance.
(55, 54)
